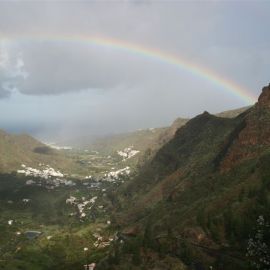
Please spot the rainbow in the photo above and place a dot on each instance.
(155, 54)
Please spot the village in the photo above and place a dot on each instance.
(50, 178)
(85, 200)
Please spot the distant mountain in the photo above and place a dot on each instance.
(194, 205)
(140, 140)
(24, 149)
(147, 141)
(232, 113)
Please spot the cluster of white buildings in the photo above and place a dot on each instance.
(47, 177)
(127, 153)
(113, 176)
(46, 173)
(81, 204)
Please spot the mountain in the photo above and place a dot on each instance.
(195, 203)
(140, 140)
(191, 204)
(23, 149)
(147, 141)
(232, 113)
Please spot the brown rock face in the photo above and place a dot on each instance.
(264, 99)
(254, 136)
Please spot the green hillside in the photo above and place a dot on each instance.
(23, 149)
(191, 204)
(196, 203)
(63, 235)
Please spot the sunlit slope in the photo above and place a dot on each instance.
(23, 149)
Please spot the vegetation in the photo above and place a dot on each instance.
(64, 236)
(191, 205)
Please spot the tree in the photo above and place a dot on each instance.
(258, 249)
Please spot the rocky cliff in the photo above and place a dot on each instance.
(252, 135)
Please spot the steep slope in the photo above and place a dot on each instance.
(254, 136)
(148, 141)
(198, 199)
(23, 149)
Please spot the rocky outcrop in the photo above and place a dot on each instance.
(264, 98)
(254, 137)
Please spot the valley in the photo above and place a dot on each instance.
(71, 216)
(53, 219)
(149, 199)
(134, 135)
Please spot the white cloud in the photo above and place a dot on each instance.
(11, 69)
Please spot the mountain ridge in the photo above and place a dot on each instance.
(188, 189)
(148, 141)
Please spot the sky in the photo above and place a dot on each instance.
(57, 86)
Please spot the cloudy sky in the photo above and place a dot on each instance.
(55, 85)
